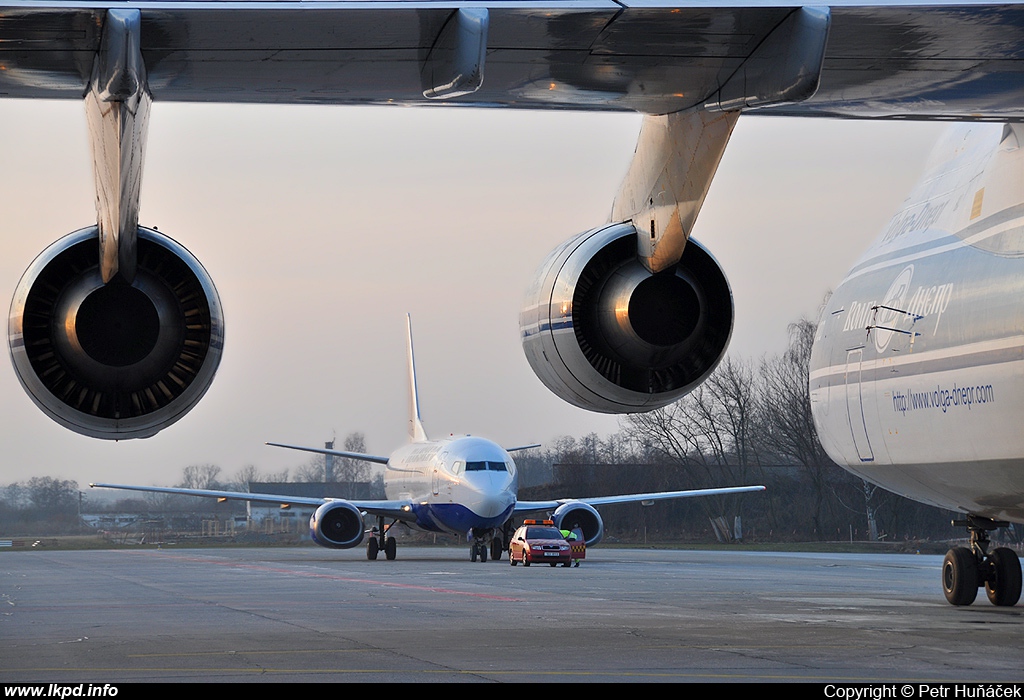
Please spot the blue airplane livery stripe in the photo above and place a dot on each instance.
(561, 325)
(455, 517)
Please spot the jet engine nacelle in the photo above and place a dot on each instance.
(337, 525)
(115, 360)
(574, 513)
(606, 335)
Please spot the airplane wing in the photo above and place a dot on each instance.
(689, 66)
(389, 509)
(882, 59)
(537, 506)
(521, 447)
(337, 453)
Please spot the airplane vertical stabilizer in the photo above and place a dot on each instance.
(416, 432)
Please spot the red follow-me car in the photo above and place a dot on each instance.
(539, 543)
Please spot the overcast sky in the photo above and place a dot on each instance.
(322, 227)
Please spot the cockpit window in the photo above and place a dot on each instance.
(486, 467)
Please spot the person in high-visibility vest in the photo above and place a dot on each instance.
(575, 539)
(582, 542)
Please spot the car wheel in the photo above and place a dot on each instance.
(526, 559)
(512, 558)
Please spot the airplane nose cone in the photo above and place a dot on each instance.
(492, 494)
(494, 505)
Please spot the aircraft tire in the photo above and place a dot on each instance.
(372, 548)
(472, 553)
(1004, 583)
(390, 548)
(497, 548)
(483, 553)
(960, 576)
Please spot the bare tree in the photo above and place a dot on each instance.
(787, 427)
(15, 495)
(707, 435)
(250, 474)
(344, 469)
(245, 476)
(788, 430)
(50, 495)
(43, 504)
(312, 472)
(200, 476)
(348, 469)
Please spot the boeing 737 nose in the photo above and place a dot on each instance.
(488, 494)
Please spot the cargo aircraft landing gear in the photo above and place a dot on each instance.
(380, 542)
(965, 570)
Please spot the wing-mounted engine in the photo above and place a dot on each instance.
(605, 334)
(573, 514)
(115, 360)
(337, 525)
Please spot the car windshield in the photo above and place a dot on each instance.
(543, 533)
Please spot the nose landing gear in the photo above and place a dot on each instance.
(484, 542)
(478, 548)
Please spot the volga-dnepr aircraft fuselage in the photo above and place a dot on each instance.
(917, 369)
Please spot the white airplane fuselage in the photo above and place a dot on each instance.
(454, 485)
(917, 369)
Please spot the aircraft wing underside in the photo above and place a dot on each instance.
(960, 60)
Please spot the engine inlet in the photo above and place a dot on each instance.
(115, 360)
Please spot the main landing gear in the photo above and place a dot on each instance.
(965, 570)
(380, 542)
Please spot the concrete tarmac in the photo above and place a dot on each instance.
(310, 614)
